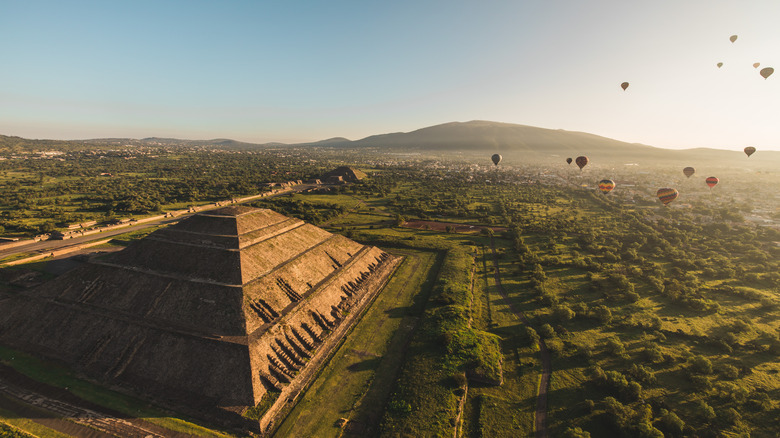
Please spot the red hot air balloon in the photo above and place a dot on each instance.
(766, 72)
(581, 161)
(688, 171)
(750, 150)
(606, 185)
(624, 85)
(667, 195)
(711, 181)
(569, 160)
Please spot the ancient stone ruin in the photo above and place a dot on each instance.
(216, 310)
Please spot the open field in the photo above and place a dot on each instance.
(356, 383)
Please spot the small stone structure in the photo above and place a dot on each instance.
(214, 311)
(345, 173)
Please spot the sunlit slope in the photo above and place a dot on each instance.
(532, 143)
(501, 137)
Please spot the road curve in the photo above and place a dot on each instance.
(540, 419)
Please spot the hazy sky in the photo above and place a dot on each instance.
(292, 71)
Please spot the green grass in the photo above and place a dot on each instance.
(355, 384)
(13, 426)
(506, 410)
(51, 374)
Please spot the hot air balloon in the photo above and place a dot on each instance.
(688, 171)
(667, 195)
(711, 181)
(766, 72)
(750, 150)
(733, 38)
(755, 65)
(606, 185)
(624, 85)
(568, 161)
(581, 161)
(496, 159)
(720, 64)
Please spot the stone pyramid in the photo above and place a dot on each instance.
(215, 310)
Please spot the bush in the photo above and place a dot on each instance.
(670, 423)
(700, 365)
(602, 314)
(546, 331)
(563, 313)
(575, 432)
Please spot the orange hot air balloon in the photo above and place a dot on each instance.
(712, 181)
(720, 64)
(606, 185)
(733, 38)
(581, 161)
(756, 64)
(667, 195)
(750, 150)
(569, 160)
(766, 72)
(688, 171)
(624, 85)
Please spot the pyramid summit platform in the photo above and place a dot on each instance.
(216, 310)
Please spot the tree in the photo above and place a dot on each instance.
(576, 432)
(670, 423)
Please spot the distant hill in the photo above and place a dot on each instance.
(515, 142)
(522, 142)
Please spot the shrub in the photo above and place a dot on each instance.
(700, 365)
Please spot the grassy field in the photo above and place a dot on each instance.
(356, 383)
(13, 426)
(55, 375)
(506, 410)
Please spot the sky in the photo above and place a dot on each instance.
(296, 71)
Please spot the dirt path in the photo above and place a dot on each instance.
(59, 409)
(540, 423)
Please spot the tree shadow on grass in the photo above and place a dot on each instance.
(398, 312)
(365, 365)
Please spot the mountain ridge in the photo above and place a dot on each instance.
(475, 136)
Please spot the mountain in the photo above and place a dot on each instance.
(520, 142)
(531, 143)
(505, 138)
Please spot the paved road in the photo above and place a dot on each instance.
(540, 423)
(51, 245)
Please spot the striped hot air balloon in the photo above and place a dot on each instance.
(606, 185)
(667, 195)
(712, 181)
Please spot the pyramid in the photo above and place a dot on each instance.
(215, 310)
